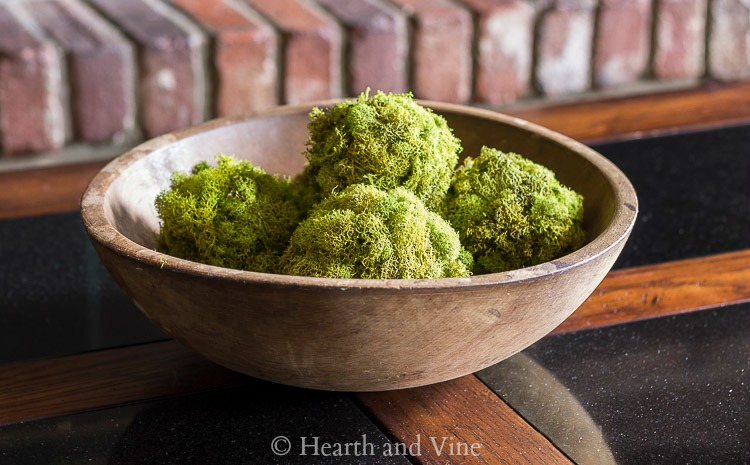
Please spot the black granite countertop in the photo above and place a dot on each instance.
(693, 194)
(261, 423)
(672, 390)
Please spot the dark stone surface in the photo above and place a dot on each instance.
(56, 297)
(693, 193)
(673, 390)
(233, 426)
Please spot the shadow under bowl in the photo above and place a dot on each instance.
(349, 334)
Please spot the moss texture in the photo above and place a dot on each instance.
(366, 232)
(379, 170)
(386, 140)
(512, 213)
(232, 215)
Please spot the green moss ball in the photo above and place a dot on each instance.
(386, 140)
(512, 213)
(232, 215)
(366, 232)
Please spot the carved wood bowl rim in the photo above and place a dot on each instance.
(101, 229)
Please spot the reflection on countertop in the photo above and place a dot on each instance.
(664, 391)
(545, 402)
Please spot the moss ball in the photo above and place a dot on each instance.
(512, 213)
(232, 215)
(386, 140)
(366, 232)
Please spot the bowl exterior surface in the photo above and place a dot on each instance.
(351, 335)
(353, 339)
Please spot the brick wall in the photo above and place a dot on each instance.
(116, 72)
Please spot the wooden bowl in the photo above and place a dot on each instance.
(349, 334)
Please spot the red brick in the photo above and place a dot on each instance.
(622, 42)
(312, 49)
(504, 49)
(31, 93)
(679, 40)
(377, 44)
(564, 48)
(442, 34)
(729, 41)
(100, 69)
(170, 57)
(244, 52)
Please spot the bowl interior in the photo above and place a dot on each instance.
(276, 142)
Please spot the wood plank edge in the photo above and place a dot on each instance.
(468, 414)
(45, 190)
(664, 289)
(107, 378)
(709, 105)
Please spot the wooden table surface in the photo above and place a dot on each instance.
(114, 377)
